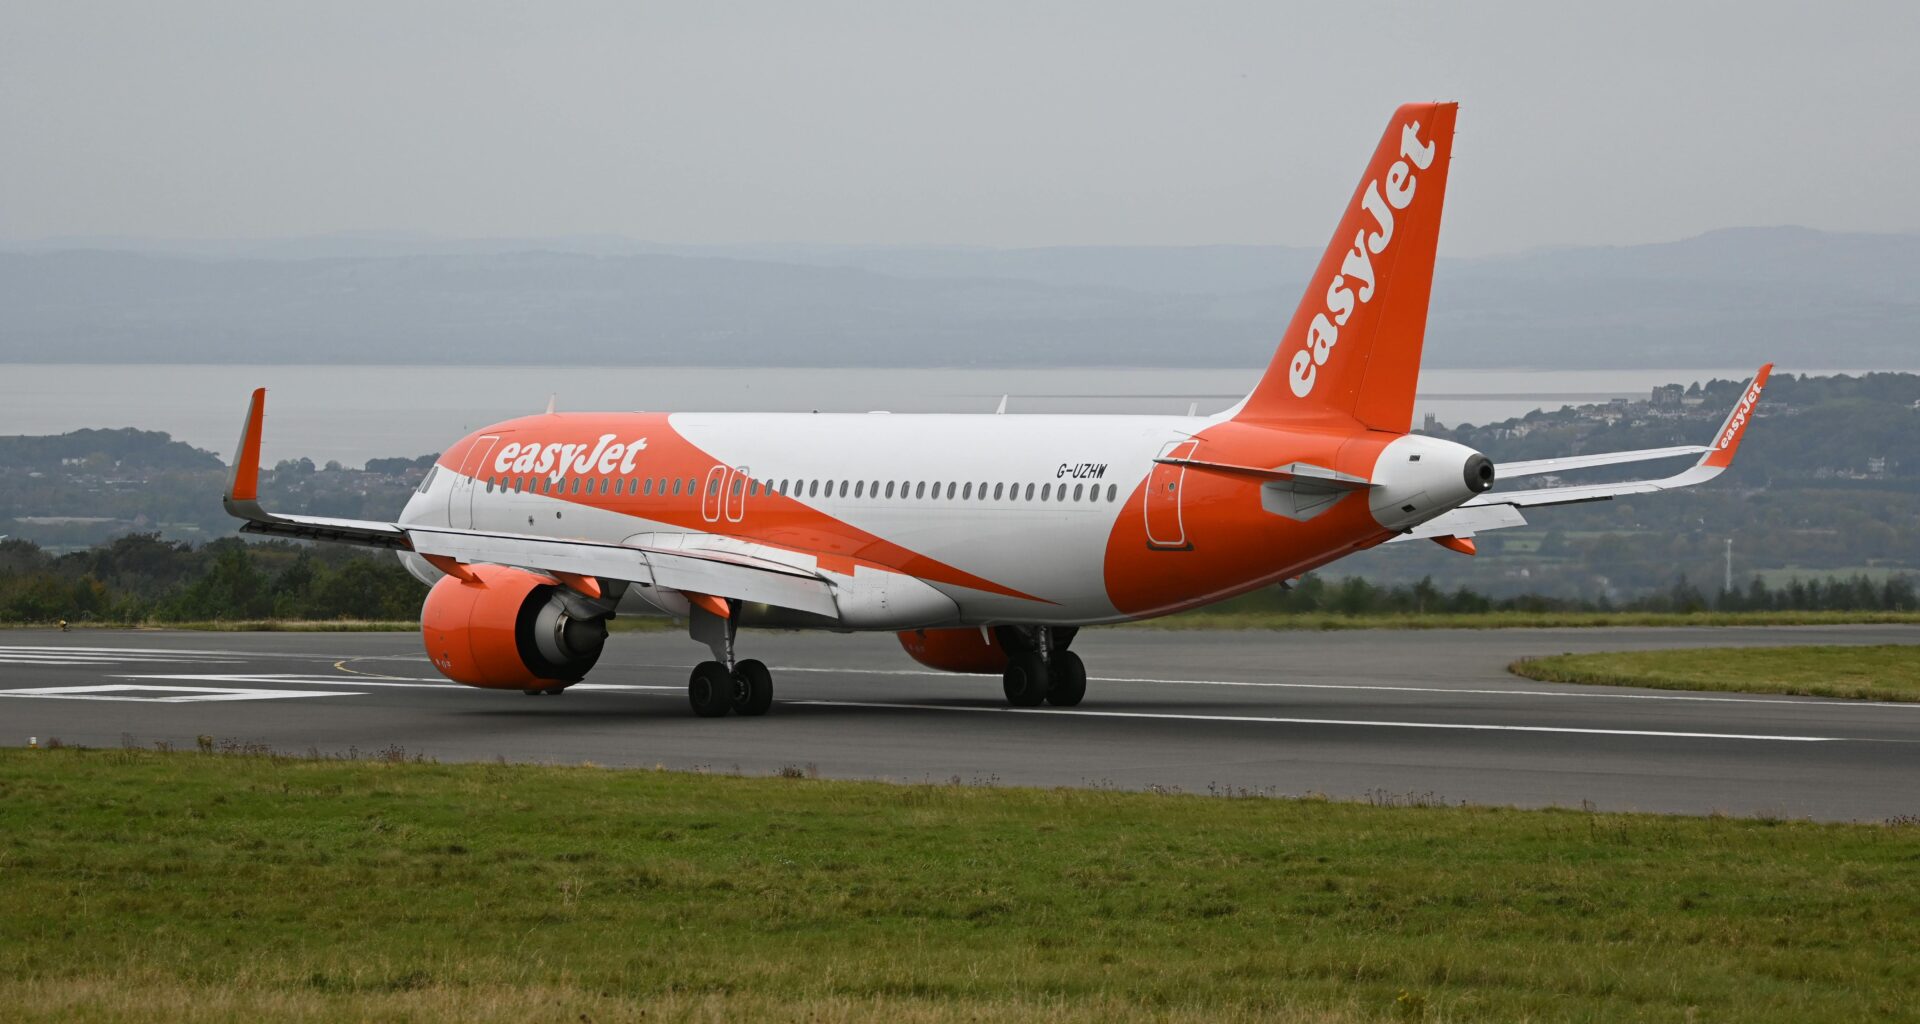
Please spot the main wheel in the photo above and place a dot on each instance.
(1025, 681)
(752, 688)
(710, 690)
(1069, 676)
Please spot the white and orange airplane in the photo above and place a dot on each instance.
(986, 540)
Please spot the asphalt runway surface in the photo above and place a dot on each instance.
(1390, 716)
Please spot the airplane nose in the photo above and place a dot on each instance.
(1479, 473)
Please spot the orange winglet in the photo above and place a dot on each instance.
(450, 567)
(710, 604)
(1464, 545)
(584, 584)
(1727, 442)
(246, 460)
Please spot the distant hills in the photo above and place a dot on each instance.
(1804, 298)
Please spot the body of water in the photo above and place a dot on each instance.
(353, 413)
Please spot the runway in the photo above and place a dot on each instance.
(1391, 716)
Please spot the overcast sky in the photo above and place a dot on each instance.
(949, 123)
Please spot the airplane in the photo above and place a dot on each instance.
(986, 541)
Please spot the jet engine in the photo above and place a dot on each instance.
(506, 628)
(956, 650)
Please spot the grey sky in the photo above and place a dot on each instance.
(960, 122)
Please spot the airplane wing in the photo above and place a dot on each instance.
(1498, 509)
(721, 574)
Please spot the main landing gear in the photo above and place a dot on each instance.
(714, 689)
(746, 690)
(1040, 668)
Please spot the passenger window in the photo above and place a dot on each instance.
(920, 490)
(1112, 489)
(676, 487)
(489, 485)
(738, 484)
(1029, 492)
(889, 488)
(966, 492)
(843, 488)
(859, 488)
(950, 489)
(997, 491)
(1076, 492)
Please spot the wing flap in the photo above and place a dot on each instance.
(689, 572)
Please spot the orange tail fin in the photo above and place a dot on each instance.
(1353, 346)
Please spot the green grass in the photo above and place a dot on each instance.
(1509, 620)
(1882, 672)
(140, 886)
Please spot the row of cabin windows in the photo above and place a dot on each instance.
(917, 490)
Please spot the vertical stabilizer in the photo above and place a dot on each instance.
(1353, 346)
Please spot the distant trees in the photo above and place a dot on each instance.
(141, 578)
(1356, 596)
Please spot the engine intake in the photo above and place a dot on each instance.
(511, 629)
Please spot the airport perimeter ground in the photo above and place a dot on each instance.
(232, 886)
(1427, 716)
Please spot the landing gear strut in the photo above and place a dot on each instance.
(722, 685)
(1040, 668)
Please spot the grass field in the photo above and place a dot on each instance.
(1884, 672)
(1511, 620)
(138, 886)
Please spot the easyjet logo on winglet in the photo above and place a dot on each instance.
(1740, 414)
(1343, 298)
(557, 460)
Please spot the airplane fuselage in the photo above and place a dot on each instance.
(948, 520)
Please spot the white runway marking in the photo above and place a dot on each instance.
(166, 694)
(1597, 694)
(1468, 726)
(292, 679)
(72, 656)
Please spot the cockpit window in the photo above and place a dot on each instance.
(427, 481)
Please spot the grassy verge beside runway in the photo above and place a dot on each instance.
(1881, 672)
(1204, 619)
(141, 885)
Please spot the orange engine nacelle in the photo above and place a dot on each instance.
(956, 650)
(511, 629)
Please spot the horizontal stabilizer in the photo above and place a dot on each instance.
(1538, 467)
(1714, 460)
(1293, 472)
